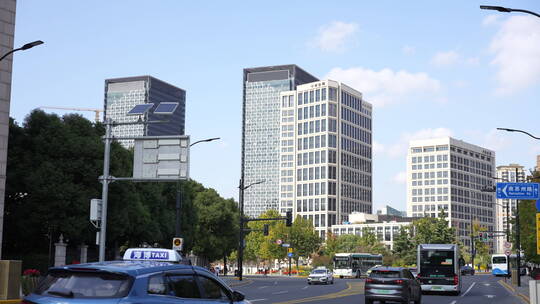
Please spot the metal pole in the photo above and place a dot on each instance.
(507, 234)
(472, 242)
(105, 191)
(241, 235)
(178, 209)
(290, 266)
(518, 245)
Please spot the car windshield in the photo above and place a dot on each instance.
(385, 274)
(85, 285)
(318, 271)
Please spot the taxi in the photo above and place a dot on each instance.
(145, 275)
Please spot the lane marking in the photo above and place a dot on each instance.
(352, 289)
(280, 292)
(275, 282)
(468, 289)
(257, 300)
(305, 287)
(453, 302)
(490, 296)
(263, 287)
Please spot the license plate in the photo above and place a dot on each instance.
(436, 288)
(383, 291)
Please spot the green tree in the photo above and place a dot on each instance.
(404, 249)
(303, 238)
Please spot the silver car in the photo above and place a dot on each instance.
(320, 275)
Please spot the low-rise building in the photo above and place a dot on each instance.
(385, 227)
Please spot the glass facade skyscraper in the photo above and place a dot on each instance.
(261, 131)
(122, 94)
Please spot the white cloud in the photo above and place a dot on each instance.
(335, 36)
(516, 48)
(400, 177)
(400, 148)
(445, 58)
(378, 147)
(494, 141)
(408, 50)
(387, 86)
(490, 20)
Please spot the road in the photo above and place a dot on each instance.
(284, 290)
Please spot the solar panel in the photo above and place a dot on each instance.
(140, 109)
(166, 108)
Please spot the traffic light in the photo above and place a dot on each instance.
(480, 235)
(265, 229)
(288, 221)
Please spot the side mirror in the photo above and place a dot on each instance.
(238, 296)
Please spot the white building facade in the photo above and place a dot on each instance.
(325, 153)
(512, 173)
(449, 174)
(385, 227)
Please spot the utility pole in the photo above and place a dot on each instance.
(241, 235)
(518, 242)
(472, 243)
(105, 190)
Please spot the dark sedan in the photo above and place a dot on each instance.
(467, 270)
(392, 284)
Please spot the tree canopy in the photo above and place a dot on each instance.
(52, 174)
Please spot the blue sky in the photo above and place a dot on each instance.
(430, 68)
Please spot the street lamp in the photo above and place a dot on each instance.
(507, 9)
(241, 188)
(22, 48)
(520, 131)
(179, 191)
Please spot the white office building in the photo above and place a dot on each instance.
(449, 174)
(512, 173)
(385, 227)
(325, 153)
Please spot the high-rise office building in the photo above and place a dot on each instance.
(512, 173)
(449, 174)
(325, 153)
(7, 32)
(122, 94)
(261, 117)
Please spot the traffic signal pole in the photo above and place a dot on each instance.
(518, 241)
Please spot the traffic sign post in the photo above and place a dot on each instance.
(507, 252)
(518, 191)
(286, 245)
(177, 244)
(538, 233)
(508, 245)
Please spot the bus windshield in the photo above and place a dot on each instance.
(341, 262)
(437, 262)
(499, 260)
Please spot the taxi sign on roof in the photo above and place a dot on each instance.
(152, 254)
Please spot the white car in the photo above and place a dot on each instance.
(320, 275)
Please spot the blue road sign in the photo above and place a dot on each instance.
(517, 191)
(290, 254)
(538, 205)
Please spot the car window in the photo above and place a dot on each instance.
(184, 286)
(212, 289)
(85, 285)
(408, 274)
(156, 285)
(384, 274)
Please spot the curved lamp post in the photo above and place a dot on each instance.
(507, 9)
(179, 191)
(519, 131)
(22, 48)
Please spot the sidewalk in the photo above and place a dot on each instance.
(521, 292)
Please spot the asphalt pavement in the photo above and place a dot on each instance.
(476, 289)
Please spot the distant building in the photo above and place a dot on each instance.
(387, 210)
(512, 173)
(261, 129)
(7, 32)
(122, 94)
(449, 174)
(537, 168)
(385, 227)
(325, 153)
